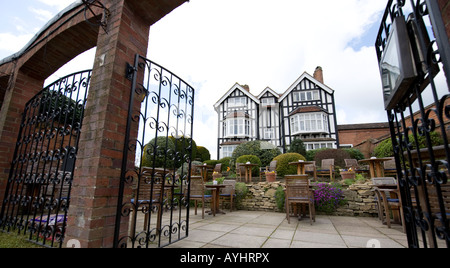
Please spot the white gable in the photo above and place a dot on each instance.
(235, 87)
(310, 78)
(268, 89)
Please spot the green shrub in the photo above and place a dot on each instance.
(280, 198)
(283, 167)
(185, 168)
(184, 144)
(297, 146)
(241, 191)
(226, 163)
(203, 154)
(211, 162)
(253, 159)
(385, 148)
(159, 152)
(311, 154)
(355, 153)
(256, 148)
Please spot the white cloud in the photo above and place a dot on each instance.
(11, 43)
(58, 4)
(42, 14)
(262, 43)
(213, 44)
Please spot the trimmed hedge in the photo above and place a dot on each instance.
(224, 161)
(252, 159)
(283, 167)
(255, 148)
(164, 156)
(203, 153)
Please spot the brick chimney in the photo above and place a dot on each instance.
(318, 74)
(246, 87)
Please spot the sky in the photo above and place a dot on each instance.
(213, 44)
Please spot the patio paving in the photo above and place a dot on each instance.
(249, 229)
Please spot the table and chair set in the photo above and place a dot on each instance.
(299, 193)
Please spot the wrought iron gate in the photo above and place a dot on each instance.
(37, 195)
(416, 96)
(153, 208)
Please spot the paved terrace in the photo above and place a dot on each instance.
(246, 229)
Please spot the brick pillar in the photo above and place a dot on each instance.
(92, 213)
(22, 89)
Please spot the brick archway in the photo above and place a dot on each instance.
(22, 75)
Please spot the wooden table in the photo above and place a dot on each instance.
(248, 171)
(301, 170)
(204, 171)
(375, 166)
(216, 196)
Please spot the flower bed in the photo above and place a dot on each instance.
(328, 197)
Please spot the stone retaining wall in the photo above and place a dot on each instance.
(360, 199)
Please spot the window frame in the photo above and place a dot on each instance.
(302, 123)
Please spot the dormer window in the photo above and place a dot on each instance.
(268, 101)
(237, 102)
(306, 96)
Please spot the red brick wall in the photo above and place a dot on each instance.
(363, 136)
(358, 136)
(445, 10)
(92, 213)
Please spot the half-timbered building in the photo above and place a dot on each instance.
(306, 111)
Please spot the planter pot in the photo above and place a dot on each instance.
(348, 175)
(271, 177)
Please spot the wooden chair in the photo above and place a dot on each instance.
(434, 208)
(390, 169)
(388, 200)
(148, 198)
(298, 193)
(218, 168)
(240, 171)
(197, 193)
(228, 193)
(263, 170)
(327, 169)
(353, 164)
(311, 170)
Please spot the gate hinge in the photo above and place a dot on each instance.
(129, 73)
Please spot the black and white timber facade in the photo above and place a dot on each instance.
(305, 111)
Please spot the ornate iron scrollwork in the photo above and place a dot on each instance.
(421, 158)
(162, 105)
(37, 194)
(103, 22)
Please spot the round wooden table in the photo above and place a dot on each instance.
(248, 171)
(301, 170)
(376, 167)
(216, 196)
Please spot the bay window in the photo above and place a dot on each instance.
(238, 127)
(309, 123)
